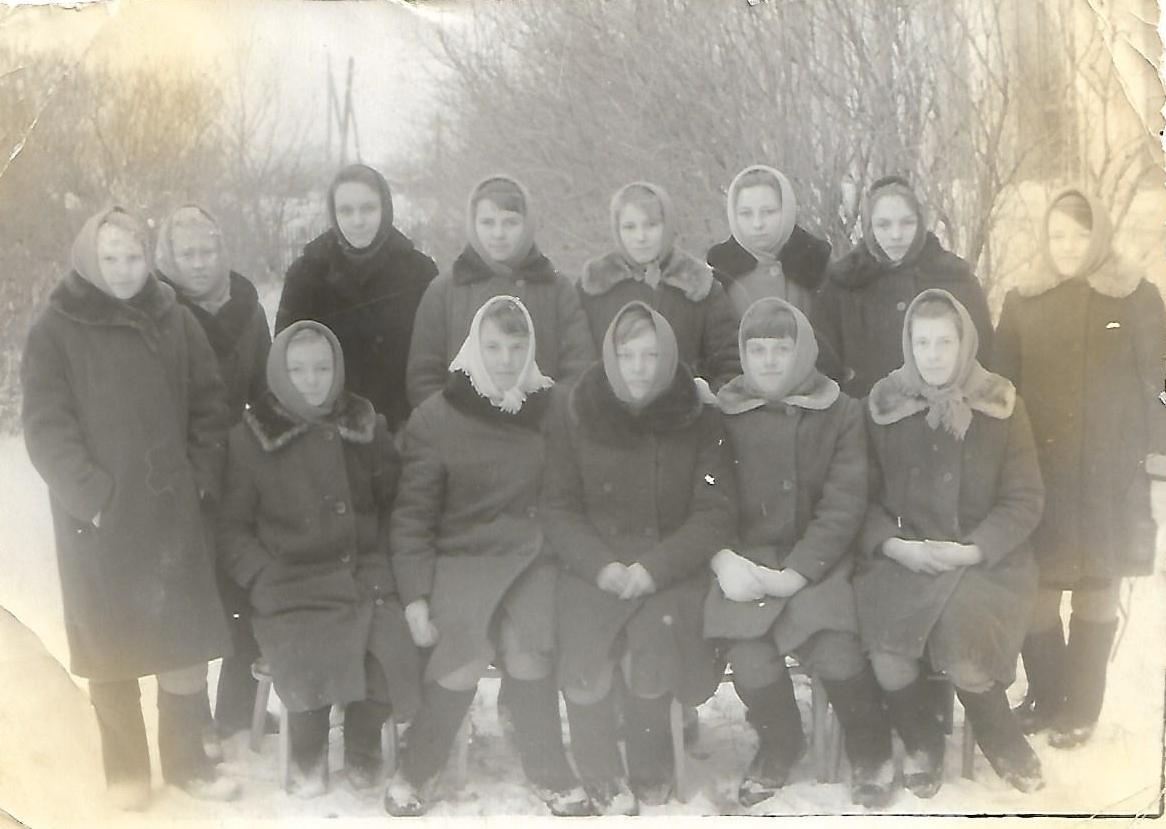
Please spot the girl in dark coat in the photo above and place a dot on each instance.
(646, 266)
(191, 258)
(859, 312)
(304, 526)
(768, 254)
(471, 560)
(799, 457)
(1083, 340)
(500, 258)
(637, 498)
(947, 572)
(125, 419)
(363, 279)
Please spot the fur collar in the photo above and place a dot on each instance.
(274, 427)
(1115, 277)
(84, 302)
(604, 418)
(859, 268)
(891, 402)
(224, 327)
(462, 395)
(469, 267)
(682, 271)
(820, 394)
(803, 259)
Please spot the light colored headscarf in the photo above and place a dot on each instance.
(1100, 240)
(789, 212)
(194, 218)
(511, 185)
(666, 366)
(651, 272)
(469, 361)
(892, 186)
(280, 382)
(84, 252)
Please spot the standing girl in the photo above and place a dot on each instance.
(647, 267)
(1084, 342)
(500, 258)
(947, 573)
(125, 419)
(363, 279)
(472, 562)
(637, 498)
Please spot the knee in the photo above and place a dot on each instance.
(1096, 605)
(893, 671)
(183, 681)
(464, 678)
(527, 666)
(1046, 612)
(756, 664)
(594, 692)
(832, 655)
(968, 676)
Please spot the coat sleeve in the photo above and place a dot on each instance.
(210, 416)
(1006, 357)
(1020, 495)
(576, 348)
(573, 538)
(375, 572)
(826, 319)
(428, 363)
(838, 514)
(261, 346)
(52, 429)
(878, 524)
(240, 551)
(719, 360)
(417, 512)
(711, 521)
(298, 297)
(977, 304)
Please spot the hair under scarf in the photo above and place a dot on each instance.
(626, 195)
(193, 217)
(789, 212)
(369, 177)
(279, 381)
(525, 243)
(1100, 239)
(469, 361)
(892, 186)
(84, 252)
(666, 365)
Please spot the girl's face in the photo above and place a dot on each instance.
(1068, 242)
(196, 253)
(500, 231)
(503, 354)
(358, 212)
(935, 344)
(637, 360)
(768, 361)
(759, 215)
(642, 235)
(310, 368)
(895, 224)
(122, 261)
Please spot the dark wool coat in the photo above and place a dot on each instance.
(803, 259)
(657, 489)
(304, 524)
(926, 485)
(801, 474)
(370, 307)
(562, 343)
(1087, 356)
(124, 415)
(465, 529)
(240, 338)
(858, 314)
(688, 296)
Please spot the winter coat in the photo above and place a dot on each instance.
(803, 260)
(304, 524)
(688, 296)
(560, 330)
(858, 314)
(1086, 356)
(370, 307)
(657, 489)
(124, 416)
(240, 338)
(801, 475)
(927, 485)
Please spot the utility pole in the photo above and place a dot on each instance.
(342, 119)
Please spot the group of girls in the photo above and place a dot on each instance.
(607, 489)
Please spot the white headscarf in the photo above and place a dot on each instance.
(469, 361)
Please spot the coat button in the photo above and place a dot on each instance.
(947, 477)
(901, 306)
(607, 486)
(790, 410)
(347, 557)
(787, 485)
(328, 435)
(532, 511)
(340, 507)
(775, 270)
(520, 282)
(379, 602)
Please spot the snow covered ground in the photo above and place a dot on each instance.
(50, 773)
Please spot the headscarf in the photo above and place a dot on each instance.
(369, 177)
(84, 253)
(892, 186)
(525, 244)
(469, 362)
(651, 272)
(190, 217)
(1100, 240)
(789, 213)
(666, 365)
(280, 382)
(741, 394)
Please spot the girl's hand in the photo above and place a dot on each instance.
(955, 554)
(97, 520)
(420, 627)
(613, 578)
(639, 583)
(738, 577)
(783, 583)
(916, 556)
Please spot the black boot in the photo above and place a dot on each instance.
(308, 744)
(235, 693)
(1044, 659)
(912, 713)
(858, 704)
(594, 745)
(183, 758)
(1086, 665)
(648, 745)
(999, 735)
(363, 722)
(428, 742)
(773, 713)
(538, 735)
(125, 754)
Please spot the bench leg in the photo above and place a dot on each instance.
(679, 758)
(969, 751)
(835, 762)
(461, 757)
(284, 749)
(259, 713)
(819, 716)
(389, 746)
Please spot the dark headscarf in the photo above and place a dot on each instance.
(892, 186)
(369, 177)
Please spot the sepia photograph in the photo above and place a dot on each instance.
(515, 410)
